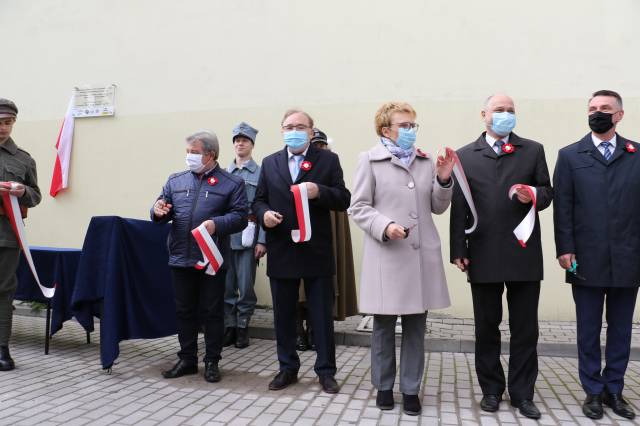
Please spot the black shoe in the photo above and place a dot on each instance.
(6, 362)
(490, 403)
(301, 343)
(182, 368)
(384, 400)
(527, 408)
(329, 384)
(618, 404)
(592, 407)
(229, 336)
(283, 379)
(411, 405)
(212, 372)
(242, 337)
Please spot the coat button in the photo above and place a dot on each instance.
(413, 215)
(411, 185)
(415, 246)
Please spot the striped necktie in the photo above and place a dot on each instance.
(606, 146)
(497, 146)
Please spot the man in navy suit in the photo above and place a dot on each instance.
(597, 232)
(289, 262)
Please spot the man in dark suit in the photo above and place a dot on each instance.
(492, 256)
(289, 262)
(597, 232)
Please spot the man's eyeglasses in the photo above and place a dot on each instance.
(290, 127)
(406, 125)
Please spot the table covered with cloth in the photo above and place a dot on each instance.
(123, 279)
(55, 266)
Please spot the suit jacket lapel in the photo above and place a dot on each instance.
(620, 148)
(312, 155)
(282, 161)
(482, 147)
(586, 146)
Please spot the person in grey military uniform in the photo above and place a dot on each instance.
(247, 247)
(17, 177)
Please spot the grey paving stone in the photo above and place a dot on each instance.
(74, 390)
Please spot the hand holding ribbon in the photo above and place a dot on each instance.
(212, 258)
(525, 228)
(301, 202)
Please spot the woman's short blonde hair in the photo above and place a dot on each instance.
(384, 113)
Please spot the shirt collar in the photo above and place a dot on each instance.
(303, 153)
(492, 141)
(249, 165)
(10, 146)
(597, 141)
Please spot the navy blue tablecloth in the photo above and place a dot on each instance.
(123, 278)
(55, 266)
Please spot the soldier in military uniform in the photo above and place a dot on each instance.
(17, 177)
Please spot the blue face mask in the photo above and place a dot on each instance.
(295, 139)
(406, 138)
(503, 123)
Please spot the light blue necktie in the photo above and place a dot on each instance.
(606, 146)
(297, 159)
(497, 146)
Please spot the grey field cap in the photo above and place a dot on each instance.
(244, 129)
(7, 108)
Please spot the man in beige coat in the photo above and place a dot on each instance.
(396, 190)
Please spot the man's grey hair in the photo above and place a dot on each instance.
(209, 141)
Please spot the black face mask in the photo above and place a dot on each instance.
(601, 122)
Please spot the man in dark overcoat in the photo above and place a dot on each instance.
(288, 262)
(494, 258)
(597, 232)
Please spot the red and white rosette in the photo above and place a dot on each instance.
(461, 179)
(301, 201)
(525, 228)
(212, 259)
(12, 210)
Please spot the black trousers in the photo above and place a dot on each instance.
(522, 300)
(199, 300)
(319, 293)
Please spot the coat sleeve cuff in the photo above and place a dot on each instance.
(378, 226)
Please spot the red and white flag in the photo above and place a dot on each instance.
(211, 256)
(60, 178)
(12, 211)
(525, 228)
(301, 202)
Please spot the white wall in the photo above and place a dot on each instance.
(182, 66)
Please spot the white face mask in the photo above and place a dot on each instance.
(194, 162)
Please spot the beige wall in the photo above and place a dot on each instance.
(182, 66)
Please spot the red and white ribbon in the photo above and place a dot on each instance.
(12, 210)
(212, 259)
(461, 178)
(301, 201)
(524, 230)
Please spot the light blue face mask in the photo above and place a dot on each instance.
(295, 139)
(406, 138)
(503, 123)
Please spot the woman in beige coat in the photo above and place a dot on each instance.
(395, 191)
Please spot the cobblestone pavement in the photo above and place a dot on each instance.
(68, 387)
